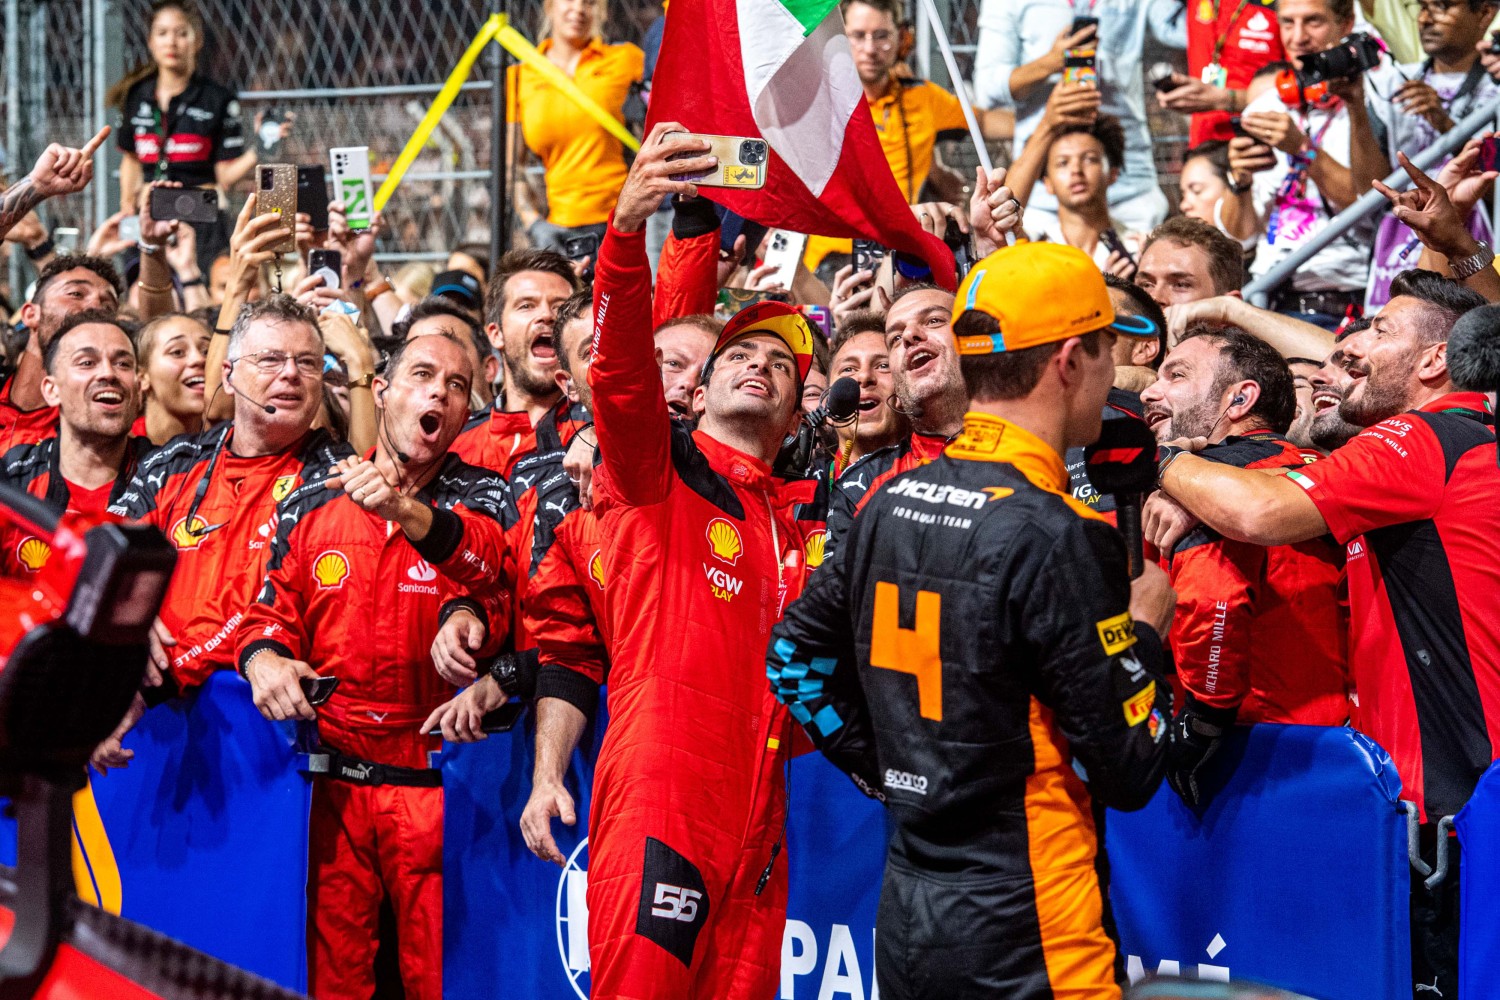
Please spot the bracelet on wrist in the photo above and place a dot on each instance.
(363, 382)
(1241, 187)
(378, 289)
(149, 249)
(154, 289)
(41, 250)
(1466, 267)
(195, 282)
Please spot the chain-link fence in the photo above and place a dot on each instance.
(352, 74)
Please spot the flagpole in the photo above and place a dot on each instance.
(960, 88)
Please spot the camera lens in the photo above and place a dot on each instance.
(753, 152)
(184, 205)
(267, 178)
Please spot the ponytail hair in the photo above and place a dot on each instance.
(115, 96)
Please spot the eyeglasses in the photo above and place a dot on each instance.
(881, 39)
(272, 362)
(1436, 10)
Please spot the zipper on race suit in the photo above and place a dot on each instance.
(781, 591)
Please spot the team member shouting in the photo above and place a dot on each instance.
(216, 494)
(701, 553)
(1259, 634)
(337, 573)
(975, 633)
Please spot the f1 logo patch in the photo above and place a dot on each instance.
(674, 901)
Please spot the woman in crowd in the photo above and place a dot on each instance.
(172, 350)
(585, 164)
(176, 125)
(1204, 185)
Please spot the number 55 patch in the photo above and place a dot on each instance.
(674, 901)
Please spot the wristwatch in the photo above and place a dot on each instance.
(1165, 455)
(1239, 188)
(1466, 267)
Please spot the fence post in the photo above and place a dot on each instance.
(13, 117)
(499, 189)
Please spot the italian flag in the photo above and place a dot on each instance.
(782, 70)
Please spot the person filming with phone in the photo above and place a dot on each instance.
(436, 592)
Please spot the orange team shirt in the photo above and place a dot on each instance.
(585, 164)
(929, 111)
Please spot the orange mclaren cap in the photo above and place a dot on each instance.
(777, 318)
(1040, 293)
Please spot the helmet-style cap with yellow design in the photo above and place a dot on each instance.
(1040, 293)
(775, 318)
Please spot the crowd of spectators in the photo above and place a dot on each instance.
(499, 465)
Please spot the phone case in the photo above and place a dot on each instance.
(784, 248)
(742, 160)
(351, 184)
(279, 198)
(186, 204)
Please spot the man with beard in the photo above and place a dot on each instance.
(1300, 431)
(1329, 430)
(701, 553)
(1413, 500)
(682, 347)
(523, 296)
(407, 545)
(68, 285)
(1259, 635)
(92, 381)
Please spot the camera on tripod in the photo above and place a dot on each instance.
(1353, 55)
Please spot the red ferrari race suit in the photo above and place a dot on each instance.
(347, 593)
(701, 554)
(220, 511)
(34, 468)
(18, 426)
(1260, 629)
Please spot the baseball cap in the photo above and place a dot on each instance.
(460, 286)
(1040, 293)
(772, 317)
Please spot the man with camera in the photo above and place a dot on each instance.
(1412, 499)
(1412, 105)
(407, 545)
(977, 634)
(1290, 169)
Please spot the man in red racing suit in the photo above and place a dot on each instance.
(340, 573)
(701, 555)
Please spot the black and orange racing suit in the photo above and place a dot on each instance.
(1260, 634)
(34, 468)
(701, 553)
(992, 646)
(220, 511)
(348, 594)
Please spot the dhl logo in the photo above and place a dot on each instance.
(33, 553)
(724, 541)
(331, 570)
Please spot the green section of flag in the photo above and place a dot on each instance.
(1301, 480)
(808, 13)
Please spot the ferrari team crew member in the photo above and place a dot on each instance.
(1259, 635)
(433, 593)
(1412, 499)
(91, 380)
(929, 389)
(216, 495)
(68, 285)
(701, 554)
(995, 639)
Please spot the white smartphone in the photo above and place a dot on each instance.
(65, 238)
(351, 184)
(130, 228)
(784, 249)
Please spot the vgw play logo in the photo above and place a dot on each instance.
(825, 965)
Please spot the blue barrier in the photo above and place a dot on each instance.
(1295, 874)
(208, 828)
(1478, 826)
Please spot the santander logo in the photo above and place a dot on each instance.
(422, 572)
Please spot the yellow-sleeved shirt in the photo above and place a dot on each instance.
(909, 118)
(585, 164)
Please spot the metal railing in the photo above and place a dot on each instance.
(1258, 291)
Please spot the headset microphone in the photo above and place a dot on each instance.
(264, 406)
(401, 456)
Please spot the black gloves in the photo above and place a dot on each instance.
(1196, 734)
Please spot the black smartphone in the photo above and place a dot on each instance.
(867, 255)
(1161, 77)
(1495, 42)
(1111, 239)
(328, 263)
(312, 196)
(963, 250)
(1079, 23)
(1489, 154)
(317, 690)
(579, 247)
(501, 720)
(732, 227)
(184, 204)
